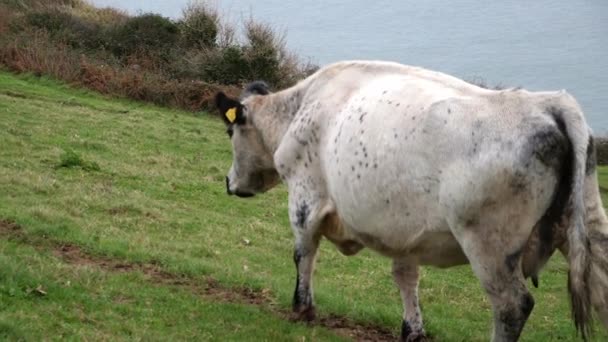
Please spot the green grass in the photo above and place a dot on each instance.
(145, 184)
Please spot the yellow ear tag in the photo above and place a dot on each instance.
(231, 114)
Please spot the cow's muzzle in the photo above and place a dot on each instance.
(237, 192)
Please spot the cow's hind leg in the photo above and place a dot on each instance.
(496, 260)
(406, 276)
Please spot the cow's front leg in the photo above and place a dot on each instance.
(306, 215)
(304, 258)
(405, 273)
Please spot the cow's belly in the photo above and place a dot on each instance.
(399, 224)
(436, 247)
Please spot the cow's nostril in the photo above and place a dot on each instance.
(228, 186)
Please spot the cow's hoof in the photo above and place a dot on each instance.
(306, 314)
(407, 335)
(416, 337)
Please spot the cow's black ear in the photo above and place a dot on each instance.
(231, 110)
(255, 88)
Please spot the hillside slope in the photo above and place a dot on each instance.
(114, 225)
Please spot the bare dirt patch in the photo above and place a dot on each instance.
(359, 332)
(9, 227)
(208, 287)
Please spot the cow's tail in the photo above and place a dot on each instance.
(570, 119)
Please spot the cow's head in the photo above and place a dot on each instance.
(252, 169)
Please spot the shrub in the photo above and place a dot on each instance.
(25, 5)
(199, 26)
(52, 21)
(225, 66)
(262, 52)
(108, 17)
(146, 57)
(67, 28)
(34, 52)
(149, 34)
(5, 19)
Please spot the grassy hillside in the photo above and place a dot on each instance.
(114, 225)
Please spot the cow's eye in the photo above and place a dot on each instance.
(230, 132)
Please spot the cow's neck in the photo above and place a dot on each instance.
(276, 113)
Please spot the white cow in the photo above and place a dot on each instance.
(429, 170)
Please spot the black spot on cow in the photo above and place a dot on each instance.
(515, 317)
(414, 117)
(298, 157)
(449, 111)
(388, 201)
(302, 215)
(519, 182)
(384, 92)
(302, 298)
(362, 116)
(560, 204)
(406, 330)
(472, 221)
(375, 165)
(512, 259)
(353, 168)
(527, 304)
(397, 104)
(548, 145)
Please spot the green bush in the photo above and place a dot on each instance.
(150, 34)
(226, 66)
(37, 4)
(52, 21)
(145, 57)
(67, 28)
(199, 26)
